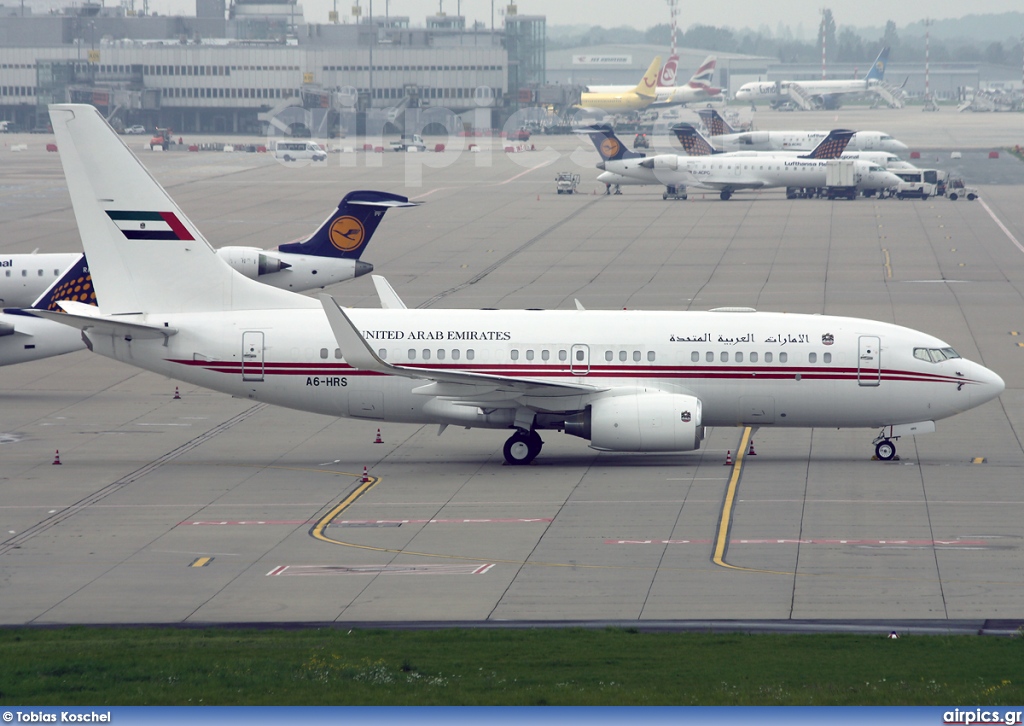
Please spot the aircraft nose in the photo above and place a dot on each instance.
(991, 385)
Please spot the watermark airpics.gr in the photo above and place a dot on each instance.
(980, 715)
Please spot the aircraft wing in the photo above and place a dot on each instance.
(107, 325)
(732, 186)
(446, 383)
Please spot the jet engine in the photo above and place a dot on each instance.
(753, 138)
(640, 422)
(661, 161)
(252, 262)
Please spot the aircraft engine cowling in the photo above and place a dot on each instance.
(754, 138)
(251, 262)
(668, 162)
(640, 422)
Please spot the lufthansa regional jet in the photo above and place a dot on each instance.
(624, 380)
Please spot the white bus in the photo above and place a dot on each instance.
(294, 150)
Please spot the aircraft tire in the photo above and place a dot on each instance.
(724, 196)
(522, 448)
(885, 450)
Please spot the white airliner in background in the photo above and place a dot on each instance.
(697, 90)
(725, 137)
(330, 255)
(825, 93)
(741, 170)
(624, 380)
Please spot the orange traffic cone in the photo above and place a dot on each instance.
(751, 452)
(366, 475)
(378, 440)
(56, 457)
(177, 396)
(728, 458)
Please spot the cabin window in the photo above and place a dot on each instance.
(636, 356)
(826, 358)
(545, 355)
(426, 354)
(739, 357)
(515, 354)
(650, 356)
(767, 357)
(323, 353)
(563, 356)
(724, 356)
(695, 357)
(579, 356)
(8, 273)
(783, 357)
(382, 354)
(812, 357)
(56, 272)
(24, 273)
(456, 354)
(529, 355)
(622, 356)
(337, 353)
(412, 354)
(709, 357)
(608, 355)
(753, 357)
(470, 354)
(440, 354)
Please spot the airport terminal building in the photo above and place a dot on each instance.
(221, 70)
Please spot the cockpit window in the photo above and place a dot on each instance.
(935, 355)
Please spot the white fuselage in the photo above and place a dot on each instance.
(746, 368)
(24, 277)
(803, 141)
(767, 91)
(740, 170)
(670, 95)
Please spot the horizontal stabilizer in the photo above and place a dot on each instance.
(107, 325)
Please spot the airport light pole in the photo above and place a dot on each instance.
(929, 104)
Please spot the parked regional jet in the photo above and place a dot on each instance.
(734, 171)
(626, 380)
(825, 94)
(697, 90)
(633, 99)
(316, 262)
(725, 137)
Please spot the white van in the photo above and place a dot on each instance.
(294, 150)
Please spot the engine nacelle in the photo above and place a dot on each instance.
(251, 261)
(754, 138)
(640, 422)
(661, 162)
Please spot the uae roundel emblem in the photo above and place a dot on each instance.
(609, 148)
(346, 233)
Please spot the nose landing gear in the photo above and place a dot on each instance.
(522, 447)
(885, 446)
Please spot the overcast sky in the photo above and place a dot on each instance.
(643, 14)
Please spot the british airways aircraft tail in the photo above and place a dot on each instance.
(877, 72)
(145, 255)
(349, 228)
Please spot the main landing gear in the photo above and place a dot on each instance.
(724, 196)
(885, 447)
(522, 447)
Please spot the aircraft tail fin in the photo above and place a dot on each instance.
(704, 73)
(877, 72)
(145, 255)
(668, 72)
(349, 228)
(714, 123)
(648, 85)
(75, 284)
(608, 145)
(694, 143)
(832, 146)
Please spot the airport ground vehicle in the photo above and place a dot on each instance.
(520, 134)
(566, 182)
(136, 129)
(674, 191)
(296, 150)
(641, 142)
(918, 183)
(957, 189)
(163, 138)
(411, 141)
(841, 178)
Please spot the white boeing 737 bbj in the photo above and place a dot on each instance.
(625, 380)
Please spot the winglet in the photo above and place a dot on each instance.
(354, 348)
(389, 299)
